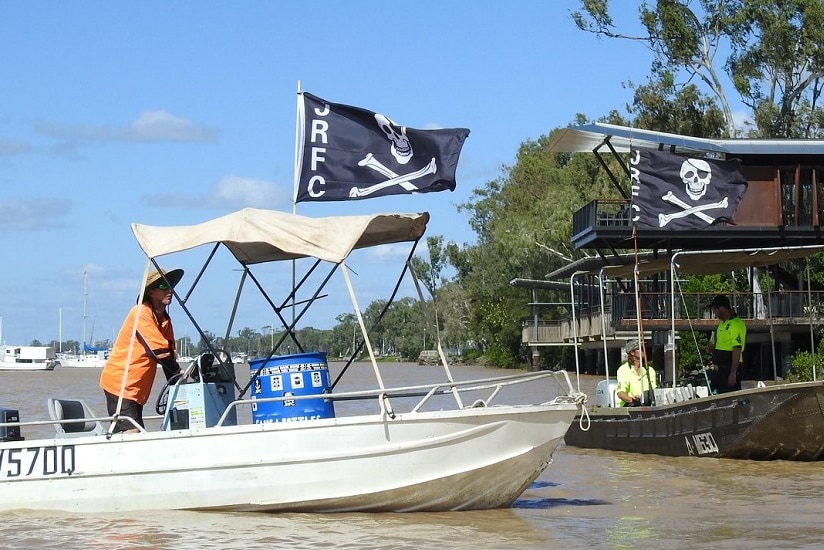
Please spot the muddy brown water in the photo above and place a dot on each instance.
(585, 499)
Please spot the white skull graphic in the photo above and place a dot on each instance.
(401, 148)
(696, 175)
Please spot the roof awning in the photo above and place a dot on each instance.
(692, 262)
(589, 137)
(256, 236)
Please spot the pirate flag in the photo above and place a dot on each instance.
(349, 153)
(670, 191)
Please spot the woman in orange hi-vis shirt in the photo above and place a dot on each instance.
(153, 344)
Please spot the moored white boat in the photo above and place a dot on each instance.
(27, 358)
(96, 360)
(446, 445)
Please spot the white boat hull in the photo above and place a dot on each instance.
(83, 361)
(474, 458)
(38, 366)
(25, 358)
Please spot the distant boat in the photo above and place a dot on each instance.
(28, 358)
(90, 359)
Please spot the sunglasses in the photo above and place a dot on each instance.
(163, 286)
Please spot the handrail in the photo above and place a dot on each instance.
(85, 419)
(425, 391)
(785, 304)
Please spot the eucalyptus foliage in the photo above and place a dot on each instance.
(773, 50)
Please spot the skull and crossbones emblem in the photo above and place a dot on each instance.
(401, 149)
(696, 175)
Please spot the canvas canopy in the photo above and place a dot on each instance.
(256, 236)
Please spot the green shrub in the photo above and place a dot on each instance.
(801, 369)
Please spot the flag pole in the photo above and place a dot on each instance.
(299, 133)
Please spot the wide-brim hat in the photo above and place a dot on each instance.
(719, 301)
(631, 346)
(172, 278)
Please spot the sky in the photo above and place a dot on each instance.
(174, 113)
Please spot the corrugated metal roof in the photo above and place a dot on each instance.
(588, 137)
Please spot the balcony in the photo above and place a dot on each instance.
(606, 225)
(769, 312)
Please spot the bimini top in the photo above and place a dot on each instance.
(256, 236)
(588, 138)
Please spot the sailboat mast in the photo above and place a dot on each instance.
(85, 295)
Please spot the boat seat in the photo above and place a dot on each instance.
(74, 409)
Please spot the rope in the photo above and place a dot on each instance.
(641, 332)
(677, 282)
(580, 399)
(584, 422)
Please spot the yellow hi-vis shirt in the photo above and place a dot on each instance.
(729, 334)
(633, 383)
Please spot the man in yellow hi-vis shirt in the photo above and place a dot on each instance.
(728, 346)
(634, 379)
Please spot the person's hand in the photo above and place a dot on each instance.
(731, 379)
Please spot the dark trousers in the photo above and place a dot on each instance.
(129, 408)
(720, 382)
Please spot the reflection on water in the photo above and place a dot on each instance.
(585, 499)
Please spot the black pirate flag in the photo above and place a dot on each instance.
(674, 192)
(349, 153)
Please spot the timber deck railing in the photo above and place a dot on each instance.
(774, 307)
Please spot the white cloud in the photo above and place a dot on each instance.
(156, 126)
(249, 192)
(162, 126)
(231, 193)
(10, 147)
(742, 122)
(33, 214)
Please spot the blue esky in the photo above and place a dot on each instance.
(173, 113)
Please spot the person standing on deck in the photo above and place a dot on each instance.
(152, 345)
(727, 349)
(634, 379)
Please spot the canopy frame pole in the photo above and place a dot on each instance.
(575, 327)
(362, 325)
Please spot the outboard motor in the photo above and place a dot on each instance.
(605, 393)
(200, 396)
(9, 433)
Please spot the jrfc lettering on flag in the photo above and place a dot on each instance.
(349, 153)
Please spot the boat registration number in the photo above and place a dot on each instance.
(701, 444)
(37, 461)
